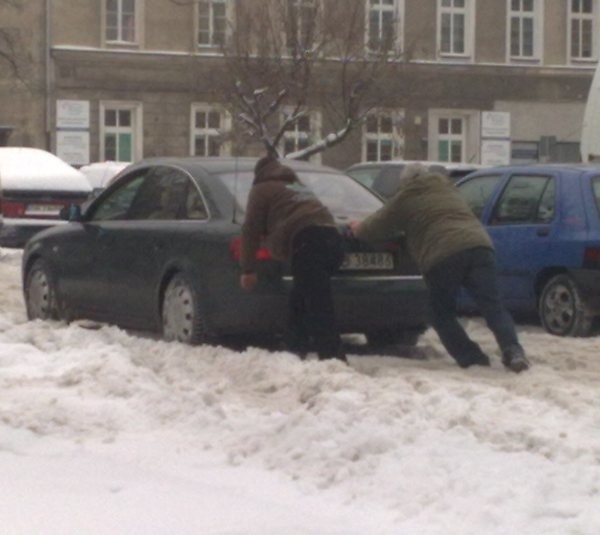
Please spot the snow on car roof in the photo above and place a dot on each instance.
(99, 174)
(25, 168)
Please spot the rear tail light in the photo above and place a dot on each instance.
(235, 248)
(13, 209)
(591, 258)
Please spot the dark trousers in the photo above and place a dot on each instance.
(475, 270)
(316, 255)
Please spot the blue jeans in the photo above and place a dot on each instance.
(475, 271)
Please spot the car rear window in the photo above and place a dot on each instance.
(346, 199)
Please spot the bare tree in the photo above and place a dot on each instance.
(285, 58)
(9, 53)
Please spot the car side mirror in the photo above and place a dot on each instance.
(71, 212)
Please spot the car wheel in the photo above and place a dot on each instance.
(561, 309)
(40, 293)
(182, 319)
(389, 337)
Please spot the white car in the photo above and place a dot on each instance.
(34, 187)
(101, 174)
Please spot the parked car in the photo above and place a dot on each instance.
(100, 174)
(384, 177)
(545, 224)
(159, 250)
(34, 186)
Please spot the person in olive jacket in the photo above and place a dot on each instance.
(298, 227)
(453, 250)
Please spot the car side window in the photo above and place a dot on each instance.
(116, 204)
(161, 197)
(596, 190)
(195, 208)
(526, 199)
(388, 182)
(478, 191)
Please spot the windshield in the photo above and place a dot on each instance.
(346, 199)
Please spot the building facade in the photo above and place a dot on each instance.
(126, 79)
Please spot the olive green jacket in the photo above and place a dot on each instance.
(435, 219)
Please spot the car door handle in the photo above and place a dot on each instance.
(545, 231)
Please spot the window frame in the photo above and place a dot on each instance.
(207, 132)
(496, 177)
(537, 16)
(451, 137)
(138, 28)
(594, 17)
(213, 44)
(297, 6)
(394, 137)
(136, 127)
(398, 11)
(468, 10)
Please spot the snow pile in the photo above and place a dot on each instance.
(170, 438)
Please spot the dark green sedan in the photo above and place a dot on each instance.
(159, 249)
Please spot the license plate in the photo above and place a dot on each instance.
(43, 209)
(368, 261)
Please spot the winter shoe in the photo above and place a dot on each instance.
(515, 360)
(479, 360)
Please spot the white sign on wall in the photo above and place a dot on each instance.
(73, 146)
(495, 124)
(495, 151)
(73, 114)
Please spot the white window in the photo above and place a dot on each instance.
(301, 24)
(212, 22)
(120, 131)
(454, 27)
(302, 133)
(451, 139)
(121, 21)
(381, 140)
(383, 24)
(583, 26)
(525, 18)
(210, 124)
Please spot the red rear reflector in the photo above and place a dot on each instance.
(235, 248)
(591, 257)
(13, 209)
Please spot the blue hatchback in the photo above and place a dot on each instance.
(545, 224)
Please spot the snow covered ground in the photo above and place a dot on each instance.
(103, 432)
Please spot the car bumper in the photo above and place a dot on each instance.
(362, 304)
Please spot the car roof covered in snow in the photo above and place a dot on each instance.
(99, 174)
(26, 168)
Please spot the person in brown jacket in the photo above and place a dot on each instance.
(297, 227)
(453, 250)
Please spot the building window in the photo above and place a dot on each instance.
(302, 133)
(301, 23)
(524, 16)
(380, 137)
(454, 31)
(119, 137)
(382, 24)
(451, 139)
(582, 27)
(120, 21)
(212, 22)
(209, 124)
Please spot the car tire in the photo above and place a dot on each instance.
(393, 337)
(181, 315)
(561, 308)
(40, 292)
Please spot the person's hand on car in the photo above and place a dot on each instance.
(248, 281)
